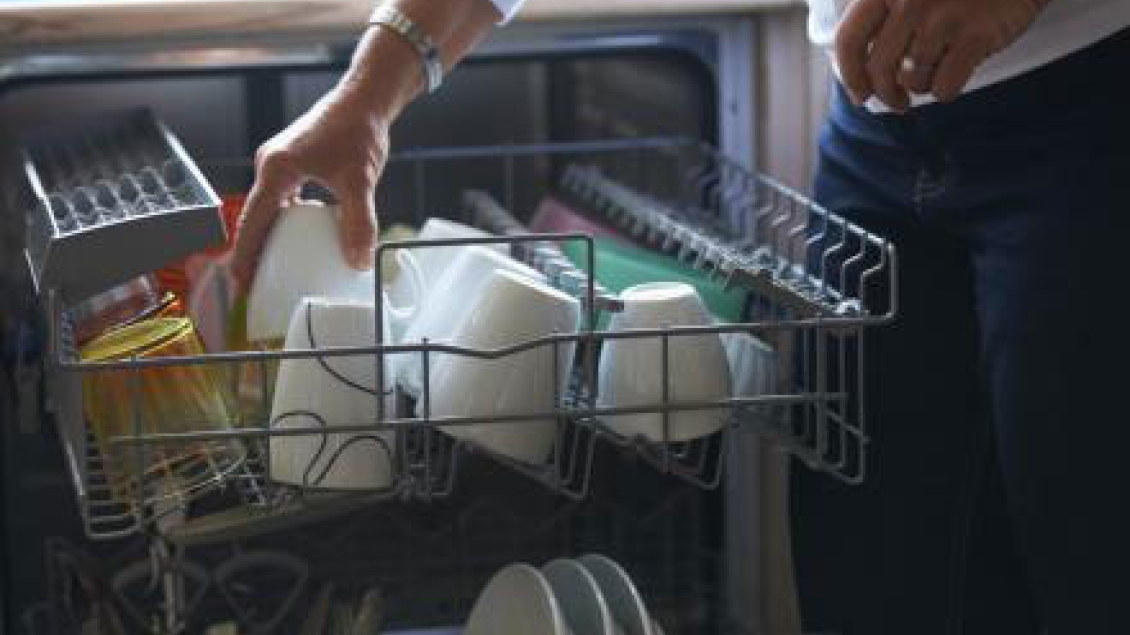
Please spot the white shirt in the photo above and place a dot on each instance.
(507, 8)
(1063, 27)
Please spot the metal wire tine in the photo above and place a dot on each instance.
(719, 188)
(700, 183)
(734, 205)
(827, 261)
(868, 276)
(841, 347)
(763, 222)
(854, 262)
(774, 238)
(815, 241)
(796, 238)
(425, 399)
(821, 405)
(665, 366)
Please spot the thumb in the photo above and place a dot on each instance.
(358, 224)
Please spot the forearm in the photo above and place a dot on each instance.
(386, 71)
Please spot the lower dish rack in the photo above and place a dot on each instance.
(810, 286)
(428, 564)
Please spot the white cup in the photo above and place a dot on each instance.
(334, 391)
(447, 302)
(631, 375)
(303, 257)
(510, 309)
(433, 261)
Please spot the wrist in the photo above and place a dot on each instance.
(386, 74)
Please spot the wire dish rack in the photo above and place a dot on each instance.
(811, 284)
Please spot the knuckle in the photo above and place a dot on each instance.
(271, 157)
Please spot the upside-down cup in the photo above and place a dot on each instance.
(631, 369)
(173, 398)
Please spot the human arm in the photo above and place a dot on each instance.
(342, 141)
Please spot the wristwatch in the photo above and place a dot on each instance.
(392, 18)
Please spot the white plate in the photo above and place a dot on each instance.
(620, 594)
(578, 595)
(517, 601)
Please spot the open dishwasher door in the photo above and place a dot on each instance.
(694, 548)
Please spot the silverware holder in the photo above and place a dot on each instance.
(813, 285)
(110, 199)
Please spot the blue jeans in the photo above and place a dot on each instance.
(999, 468)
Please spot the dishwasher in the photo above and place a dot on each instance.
(642, 125)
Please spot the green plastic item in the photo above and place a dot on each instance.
(621, 266)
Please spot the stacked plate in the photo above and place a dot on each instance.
(591, 595)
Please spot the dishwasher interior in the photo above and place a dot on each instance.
(625, 133)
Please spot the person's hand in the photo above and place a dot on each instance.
(889, 48)
(339, 143)
(342, 142)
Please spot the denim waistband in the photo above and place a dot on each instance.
(1088, 86)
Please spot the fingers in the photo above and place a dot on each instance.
(887, 53)
(273, 183)
(861, 23)
(358, 223)
(956, 68)
(927, 49)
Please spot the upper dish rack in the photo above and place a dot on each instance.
(812, 285)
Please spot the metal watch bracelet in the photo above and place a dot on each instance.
(392, 18)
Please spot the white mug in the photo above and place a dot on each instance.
(447, 302)
(630, 372)
(334, 391)
(510, 309)
(303, 257)
(433, 261)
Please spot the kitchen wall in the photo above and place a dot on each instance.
(794, 81)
